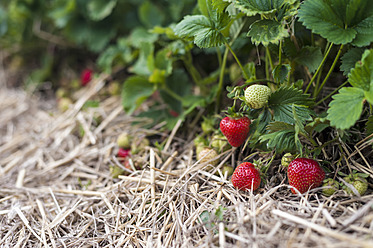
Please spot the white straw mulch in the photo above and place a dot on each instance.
(56, 190)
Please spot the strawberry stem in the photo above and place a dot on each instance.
(319, 68)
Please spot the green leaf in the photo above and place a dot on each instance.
(145, 63)
(267, 31)
(100, 9)
(350, 58)
(116, 54)
(299, 129)
(140, 35)
(220, 5)
(280, 136)
(362, 75)
(282, 101)
(310, 57)
(281, 72)
(205, 31)
(62, 12)
(150, 14)
(250, 71)
(136, 89)
(369, 126)
(346, 107)
(339, 21)
(254, 7)
(163, 61)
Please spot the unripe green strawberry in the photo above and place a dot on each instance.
(305, 174)
(245, 177)
(115, 171)
(257, 95)
(359, 183)
(139, 145)
(219, 143)
(330, 187)
(124, 141)
(208, 155)
(227, 169)
(208, 125)
(114, 88)
(286, 159)
(64, 104)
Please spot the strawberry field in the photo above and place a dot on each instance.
(186, 123)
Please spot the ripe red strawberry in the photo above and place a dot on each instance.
(123, 153)
(235, 129)
(86, 77)
(305, 174)
(246, 176)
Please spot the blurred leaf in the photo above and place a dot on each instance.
(140, 35)
(62, 11)
(350, 58)
(100, 9)
(94, 35)
(3, 22)
(339, 21)
(115, 54)
(145, 63)
(266, 32)
(346, 107)
(163, 61)
(151, 15)
(136, 89)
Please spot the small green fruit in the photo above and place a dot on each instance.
(208, 125)
(139, 145)
(227, 169)
(124, 141)
(219, 143)
(257, 95)
(115, 171)
(286, 159)
(358, 181)
(208, 155)
(331, 186)
(114, 88)
(64, 104)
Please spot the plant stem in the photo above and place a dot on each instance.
(237, 60)
(330, 70)
(318, 69)
(280, 53)
(325, 144)
(173, 94)
(218, 52)
(334, 91)
(269, 57)
(191, 69)
(221, 80)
